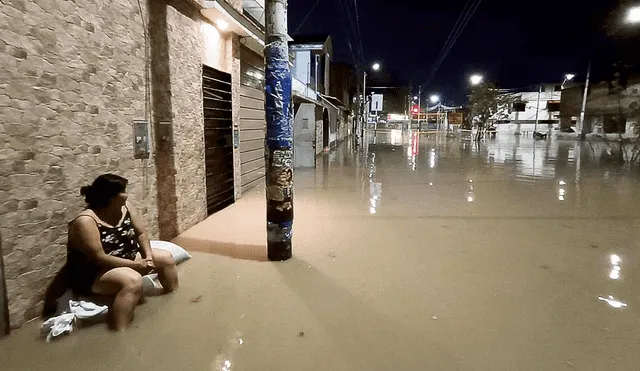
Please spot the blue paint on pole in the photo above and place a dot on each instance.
(278, 149)
(278, 95)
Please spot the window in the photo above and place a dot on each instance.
(553, 106)
(519, 106)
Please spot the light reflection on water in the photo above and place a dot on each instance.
(523, 158)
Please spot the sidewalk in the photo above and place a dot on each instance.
(239, 231)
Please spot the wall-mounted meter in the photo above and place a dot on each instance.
(141, 139)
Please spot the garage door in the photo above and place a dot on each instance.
(252, 119)
(218, 138)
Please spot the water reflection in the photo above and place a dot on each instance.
(615, 267)
(613, 302)
(526, 159)
(375, 196)
(471, 194)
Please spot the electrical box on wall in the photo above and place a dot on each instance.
(165, 132)
(141, 139)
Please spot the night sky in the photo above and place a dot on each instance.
(515, 44)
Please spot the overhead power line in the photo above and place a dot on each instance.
(465, 16)
(306, 17)
(455, 39)
(350, 32)
(355, 5)
(346, 5)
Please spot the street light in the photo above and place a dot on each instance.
(435, 98)
(633, 16)
(567, 77)
(476, 79)
(415, 97)
(375, 67)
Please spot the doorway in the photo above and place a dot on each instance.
(218, 138)
(325, 128)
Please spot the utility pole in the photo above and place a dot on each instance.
(535, 129)
(420, 108)
(580, 127)
(279, 135)
(365, 106)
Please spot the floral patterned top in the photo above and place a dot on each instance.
(119, 241)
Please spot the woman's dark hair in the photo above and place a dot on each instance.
(103, 190)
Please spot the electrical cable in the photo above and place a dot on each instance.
(463, 20)
(348, 32)
(346, 6)
(306, 17)
(355, 5)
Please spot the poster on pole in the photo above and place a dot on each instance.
(376, 102)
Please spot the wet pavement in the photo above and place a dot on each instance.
(418, 253)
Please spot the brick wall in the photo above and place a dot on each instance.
(72, 82)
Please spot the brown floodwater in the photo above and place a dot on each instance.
(413, 253)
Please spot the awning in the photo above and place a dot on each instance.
(255, 8)
(303, 91)
(333, 101)
(443, 107)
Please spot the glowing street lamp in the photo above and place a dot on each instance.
(434, 99)
(567, 77)
(375, 67)
(476, 79)
(633, 16)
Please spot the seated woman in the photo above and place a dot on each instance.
(104, 241)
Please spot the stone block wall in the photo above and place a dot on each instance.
(185, 49)
(71, 83)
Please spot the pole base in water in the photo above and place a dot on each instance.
(279, 251)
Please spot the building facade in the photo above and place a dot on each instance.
(612, 111)
(527, 107)
(321, 119)
(82, 82)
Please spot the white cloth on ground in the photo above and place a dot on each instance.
(58, 325)
(78, 310)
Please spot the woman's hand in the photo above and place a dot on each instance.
(144, 266)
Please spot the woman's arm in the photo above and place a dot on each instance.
(141, 232)
(84, 235)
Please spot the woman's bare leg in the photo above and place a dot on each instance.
(126, 285)
(166, 268)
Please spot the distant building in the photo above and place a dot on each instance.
(321, 102)
(608, 110)
(526, 107)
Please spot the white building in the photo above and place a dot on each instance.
(527, 107)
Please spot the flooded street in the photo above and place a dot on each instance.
(414, 253)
